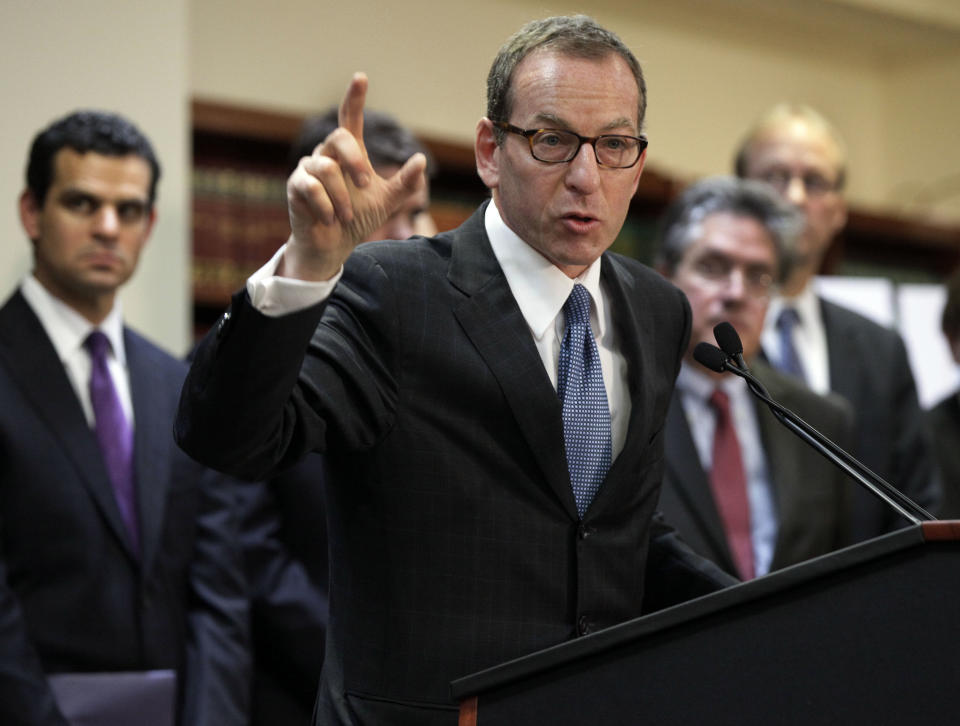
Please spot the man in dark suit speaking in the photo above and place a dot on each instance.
(117, 552)
(491, 400)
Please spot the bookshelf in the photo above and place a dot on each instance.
(240, 164)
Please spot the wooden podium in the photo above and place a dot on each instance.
(865, 635)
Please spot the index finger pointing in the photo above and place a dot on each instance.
(351, 108)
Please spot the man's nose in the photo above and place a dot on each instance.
(796, 190)
(107, 221)
(736, 287)
(583, 171)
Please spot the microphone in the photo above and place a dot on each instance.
(729, 342)
(710, 356)
(721, 360)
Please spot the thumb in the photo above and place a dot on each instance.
(410, 178)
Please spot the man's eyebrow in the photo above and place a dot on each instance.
(550, 120)
(77, 192)
(80, 193)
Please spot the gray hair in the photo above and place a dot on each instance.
(577, 36)
(682, 222)
(782, 114)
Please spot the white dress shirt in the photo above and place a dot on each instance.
(68, 330)
(695, 389)
(809, 337)
(539, 288)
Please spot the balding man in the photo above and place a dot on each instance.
(832, 348)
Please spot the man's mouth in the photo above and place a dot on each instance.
(580, 222)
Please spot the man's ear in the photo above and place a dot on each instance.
(638, 170)
(30, 213)
(151, 220)
(488, 154)
(840, 218)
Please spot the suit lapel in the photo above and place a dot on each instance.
(626, 303)
(153, 436)
(691, 483)
(841, 339)
(780, 452)
(33, 363)
(632, 332)
(492, 320)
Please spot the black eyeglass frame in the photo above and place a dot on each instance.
(528, 134)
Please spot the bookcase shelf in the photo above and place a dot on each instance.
(241, 162)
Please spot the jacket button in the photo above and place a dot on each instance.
(583, 531)
(583, 625)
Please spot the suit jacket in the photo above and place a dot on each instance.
(944, 420)
(811, 495)
(455, 542)
(284, 537)
(73, 595)
(869, 367)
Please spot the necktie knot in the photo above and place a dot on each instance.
(577, 306)
(788, 319)
(97, 344)
(720, 402)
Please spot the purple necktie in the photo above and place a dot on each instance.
(113, 433)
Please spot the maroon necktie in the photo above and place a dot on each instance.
(729, 484)
(114, 433)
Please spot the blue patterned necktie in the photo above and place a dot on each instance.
(789, 359)
(114, 433)
(586, 416)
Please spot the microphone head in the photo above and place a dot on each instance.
(710, 356)
(728, 339)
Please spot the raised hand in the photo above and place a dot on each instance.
(336, 199)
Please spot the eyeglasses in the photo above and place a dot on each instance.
(814, 184)
(554, 146)
(718, 271)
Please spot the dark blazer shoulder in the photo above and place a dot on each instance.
(845, 327)
(793, 394)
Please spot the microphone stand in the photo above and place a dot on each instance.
(878, 486)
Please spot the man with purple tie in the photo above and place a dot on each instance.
(117, 553)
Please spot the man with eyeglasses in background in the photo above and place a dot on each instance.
(490, 400)
(831, 348)
(741, 488)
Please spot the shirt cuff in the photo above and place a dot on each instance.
(275, 296)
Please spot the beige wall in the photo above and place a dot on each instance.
(128, 56)
(888, 77)
(922, 147)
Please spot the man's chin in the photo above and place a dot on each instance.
(101, 282)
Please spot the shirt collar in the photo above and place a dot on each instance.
(691, 382)
(538, 286)
(806, 304)
(65, 327)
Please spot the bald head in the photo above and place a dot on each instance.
(801, 154)
(800, 118)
